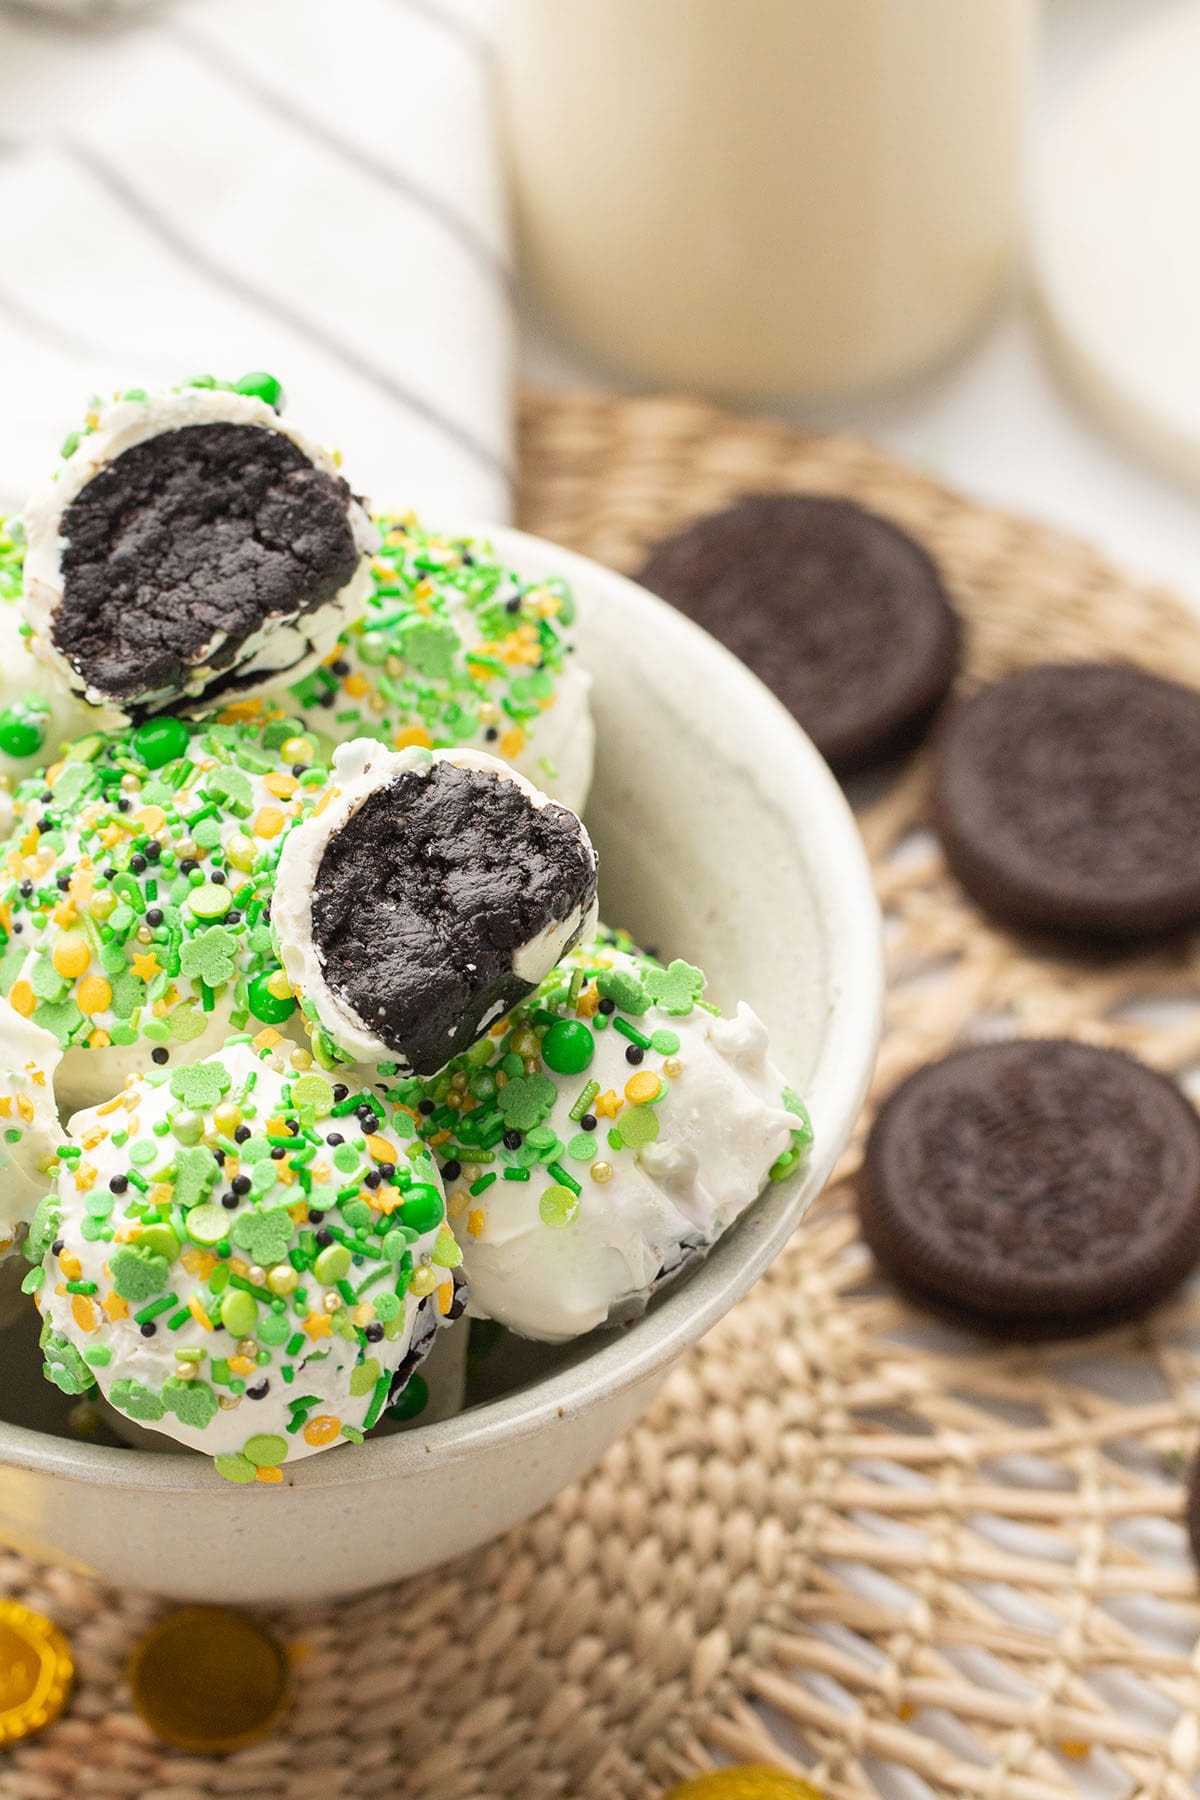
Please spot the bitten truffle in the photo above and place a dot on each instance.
(428, 895)
(191, 548)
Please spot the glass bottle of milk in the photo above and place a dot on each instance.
(768, 197)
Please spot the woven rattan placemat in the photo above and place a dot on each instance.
(843, 1539)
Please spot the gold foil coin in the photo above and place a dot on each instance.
(36, 1672)
(748, 1781)
(209, 1681)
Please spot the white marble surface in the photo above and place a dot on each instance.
(999, 423)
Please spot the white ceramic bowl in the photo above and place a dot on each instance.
(724, 839)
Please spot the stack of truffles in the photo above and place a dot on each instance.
(310, 1039)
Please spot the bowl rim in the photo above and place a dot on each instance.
(845, 894)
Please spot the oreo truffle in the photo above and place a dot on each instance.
(453, 647)
(242, 1261)
(427, 896)
(137, 890)
(192, 548)
(638, 1126)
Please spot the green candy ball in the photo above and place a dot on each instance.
(412, 1399)
(261, 386)
(265, 1005)
(22, 729)
(422, 1208)
(568, 1047)
(160, 741)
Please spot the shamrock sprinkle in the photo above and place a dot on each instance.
(265, 1235)
(527, 1100)
(676, 988)
(624, 989)
(210, 956)
(201, 1085)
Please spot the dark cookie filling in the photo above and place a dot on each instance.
(425, 894)
(211, 530)
(424, 1334)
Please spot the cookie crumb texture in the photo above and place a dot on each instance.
(1041, 1188)
(182, 549)
(425, 896)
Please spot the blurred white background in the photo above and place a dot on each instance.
(999, 422)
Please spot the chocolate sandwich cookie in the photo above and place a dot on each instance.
(1066, 799)
(1040, 1188)
(837, 610)
(192, 548)
(433, 892)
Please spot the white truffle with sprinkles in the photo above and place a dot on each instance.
(192, 547)
(135, 893)
(30, 1133)
(428, 893)
(250, 1260)
(603, 1137)
(453, 648)
(38, 712)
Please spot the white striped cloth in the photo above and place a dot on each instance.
(306, 186)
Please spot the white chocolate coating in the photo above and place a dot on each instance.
(24, 679)
(30, 1133)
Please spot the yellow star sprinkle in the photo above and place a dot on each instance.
(607, 1105)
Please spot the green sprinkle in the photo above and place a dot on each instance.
(236, 1467)
(332, 1264)
(378, 1401)
(584, 1101)
(559, 1206)
(239, 1313)
(155, 1308)
(639, 1125)
(265, 1451)
(206, 1224)
(632, 1033)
